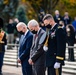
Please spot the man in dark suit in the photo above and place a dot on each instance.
(57, 17)
(3, 46)
(24, 49)
(66, 19)
(56, 46)
(37, 54)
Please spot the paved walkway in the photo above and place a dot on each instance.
(12, 70)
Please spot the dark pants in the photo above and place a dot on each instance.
(26, 70)
(70, 52)
(1, 60)
(38, 70)
(52, 71)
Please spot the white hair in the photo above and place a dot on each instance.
(56, 11)
(21, 24)
(33, 22)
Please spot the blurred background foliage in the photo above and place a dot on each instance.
(8, 9)
(25, 10)
(21, 14)
(67, 5)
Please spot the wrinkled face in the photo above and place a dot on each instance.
(19, 28)
(56, 13)
(31, 28)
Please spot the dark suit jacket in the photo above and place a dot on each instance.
(24, 49)
(57, 19)
(67, 21)
(56, 46)
(37, 53)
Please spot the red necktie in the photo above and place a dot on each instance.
(35, 36)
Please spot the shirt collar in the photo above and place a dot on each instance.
(26, 32)
(63, 26)
(53, 26)
(38, 30)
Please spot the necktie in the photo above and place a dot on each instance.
(35, 36)
(22, 38)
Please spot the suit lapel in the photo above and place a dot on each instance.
(37, 39)
(21, 39)
(54, 28)
(24, 38)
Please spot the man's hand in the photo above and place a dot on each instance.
(30, 62)
(19, 61)
(57, 65)
(45, 48)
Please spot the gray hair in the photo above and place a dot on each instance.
(32, 22)
(21, 24)
(56, 11)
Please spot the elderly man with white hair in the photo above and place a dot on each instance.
(57, 16)
(37, 54)
(24, 49)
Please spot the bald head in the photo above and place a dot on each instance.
(20, 26)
